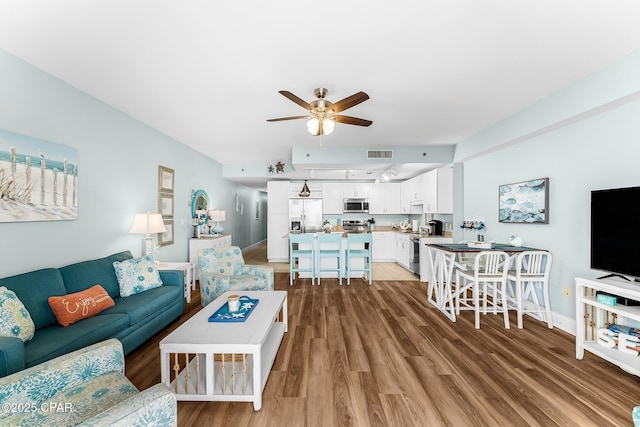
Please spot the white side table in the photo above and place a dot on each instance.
(189, 274)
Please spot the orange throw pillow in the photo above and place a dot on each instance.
(70, 308)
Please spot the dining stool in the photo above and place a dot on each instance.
(296, 253)
(329, 246)
(531, 272)
(489, 276)
(358, 246)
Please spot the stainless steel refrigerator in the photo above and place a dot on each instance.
(305, 215)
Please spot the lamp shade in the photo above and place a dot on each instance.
(216, 216)
(147, 223)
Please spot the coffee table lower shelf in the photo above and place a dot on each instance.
(233, 383)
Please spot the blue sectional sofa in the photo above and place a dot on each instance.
(132, 320)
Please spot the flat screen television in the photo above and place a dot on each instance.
(615, 231)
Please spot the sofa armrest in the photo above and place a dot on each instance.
(263, 271)
(41, 382)
(172, 277)
(154, 406)
(11, 355)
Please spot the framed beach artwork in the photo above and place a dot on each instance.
(165, 179)
(525, 202)
(166, 238)
(165, 205)
(38, 180)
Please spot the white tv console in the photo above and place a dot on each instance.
(592, 315)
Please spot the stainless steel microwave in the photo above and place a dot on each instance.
(355, 206)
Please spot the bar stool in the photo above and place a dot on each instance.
(329, 246)
(489, 276)
(358, 246)
(532, 267)
(295, 254)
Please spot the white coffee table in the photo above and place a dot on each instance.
(225, 361)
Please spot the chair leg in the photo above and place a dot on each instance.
(547, 305)
(505, 309)
(292, 273)
(519, 302)
(476, 303)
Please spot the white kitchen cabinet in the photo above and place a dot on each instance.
(359, 190)
(383, 246)
(384, 198)
(205, 242)
(403, 249)
(425, 265)
(438, 191)
(412, 193)
(332, 198)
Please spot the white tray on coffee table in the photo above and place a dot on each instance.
(225, 361)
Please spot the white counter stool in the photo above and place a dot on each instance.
(358, 246)
(329, 246)
(295, 254)
(532, 268)
(489, 275)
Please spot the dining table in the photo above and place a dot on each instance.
(444, 258)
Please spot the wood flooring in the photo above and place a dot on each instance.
(381, 355)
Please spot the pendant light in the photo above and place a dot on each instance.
(305, 190)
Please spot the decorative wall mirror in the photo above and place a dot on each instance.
(199, 203)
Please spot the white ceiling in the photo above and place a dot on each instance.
(207, 73)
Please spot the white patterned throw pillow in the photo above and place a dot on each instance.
(15, 320)
(137, 275)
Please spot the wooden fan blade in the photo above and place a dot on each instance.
(348, 120)
(287, 118)
(349, 102)
(301, 102)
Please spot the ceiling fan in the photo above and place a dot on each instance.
(323, 115)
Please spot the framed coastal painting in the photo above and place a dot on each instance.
(38, 179)
(525, 202)
(166, 238)
(165, 179)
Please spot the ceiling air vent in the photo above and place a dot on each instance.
(379, 154)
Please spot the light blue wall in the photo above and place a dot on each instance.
(586, 146)
(118, 167)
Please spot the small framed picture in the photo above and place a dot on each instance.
(165, 204)
(257, 210)
(166, 238)
(165, 179)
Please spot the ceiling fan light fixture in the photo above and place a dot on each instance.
(313, 126)
(328, 126)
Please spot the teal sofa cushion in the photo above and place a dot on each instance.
(34, 289)
(145, 304)
(56, 340)
(83, 275)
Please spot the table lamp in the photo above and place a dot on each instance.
(217, 217)
(148, 224)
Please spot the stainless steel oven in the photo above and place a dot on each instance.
(414, 257)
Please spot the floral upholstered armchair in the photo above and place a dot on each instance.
(86, 387)
(223, 269)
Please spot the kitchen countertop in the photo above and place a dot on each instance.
(447, 234)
